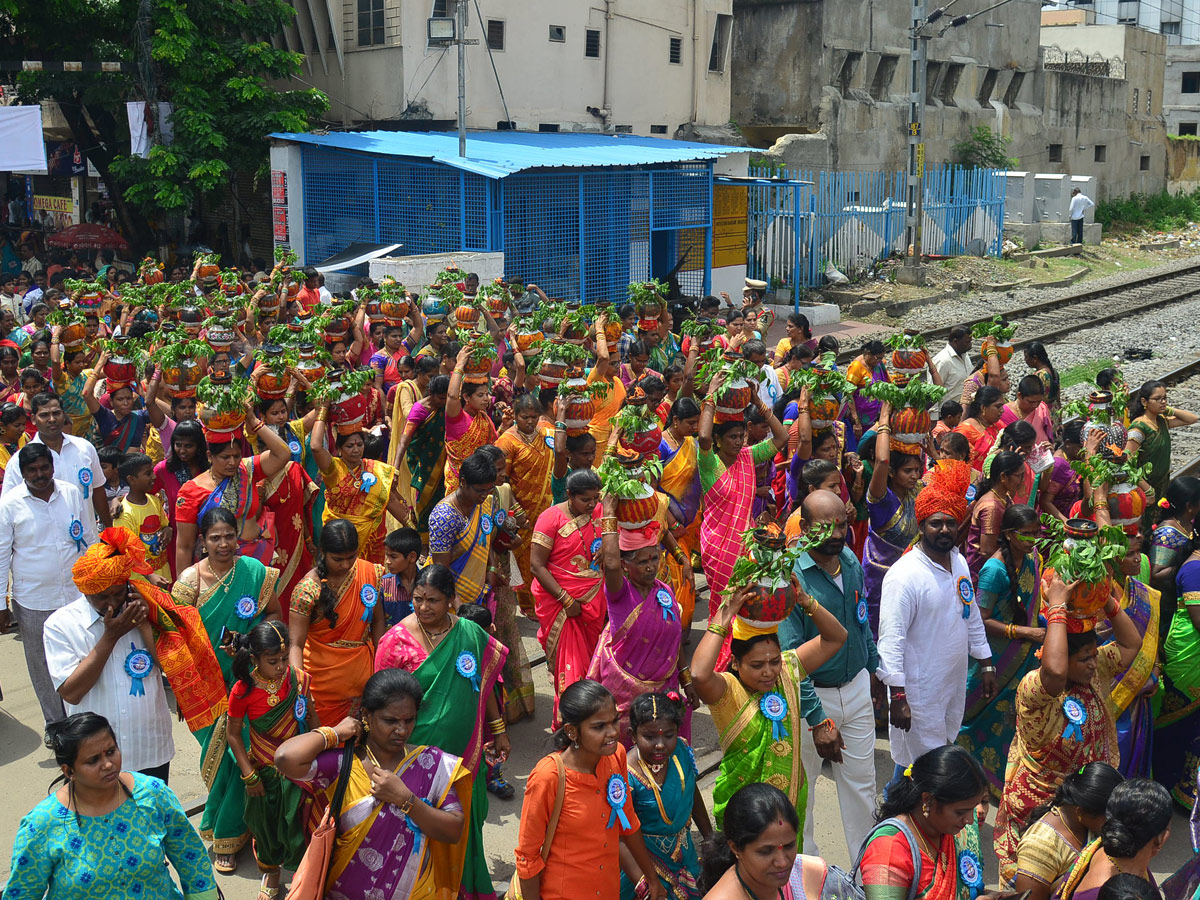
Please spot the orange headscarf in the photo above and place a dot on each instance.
(946, 491)
(111, 560)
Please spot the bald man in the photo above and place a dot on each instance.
(833, 575)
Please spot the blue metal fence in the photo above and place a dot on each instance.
(581, 235)
(804, 221)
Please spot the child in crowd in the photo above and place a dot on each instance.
(110, 464)
(401, 549)
(479, 614)
(141, 511)
(949, 417)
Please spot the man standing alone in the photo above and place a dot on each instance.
(1080, 204)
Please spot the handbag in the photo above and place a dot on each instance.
(514, 888)
(309, 881)
(842, 885)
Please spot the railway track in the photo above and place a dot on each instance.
(1051, 319)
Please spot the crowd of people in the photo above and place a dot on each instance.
(315, 521)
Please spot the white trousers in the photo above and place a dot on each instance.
(850, 708)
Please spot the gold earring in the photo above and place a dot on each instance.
(366, 727)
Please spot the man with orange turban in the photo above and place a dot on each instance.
(929, 624)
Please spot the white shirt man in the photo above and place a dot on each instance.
(1080, 204)
(142, 721)
(953, 361)
(45, 525)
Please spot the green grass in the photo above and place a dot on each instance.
(1153, 212)
(1084, 373)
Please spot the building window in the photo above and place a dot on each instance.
(1014, 89)
(1187, 129)
(949, 83)
(933, 73)
(370, 23)
(548, 126)
(988, 87)
(1054, 153)
(675, 51)
(881, 84)
(1190, 83)
(506, 125)
(1149, 100)
(495, 34)
(1101, 153)
(846, 74)
(1171, 30)
(623, 129)
(1145, 164)
(558, 33)
(1136, 107)
(591, 43)
(658, 129)
(720, 43)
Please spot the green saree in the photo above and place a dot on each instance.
(750, 752)
(236, 603)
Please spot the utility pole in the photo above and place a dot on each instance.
(461, 34)
(912, 272)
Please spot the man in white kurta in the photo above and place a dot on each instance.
(929, 624)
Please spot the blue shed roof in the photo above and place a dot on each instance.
(496, 154)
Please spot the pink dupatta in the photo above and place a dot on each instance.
(726, 515)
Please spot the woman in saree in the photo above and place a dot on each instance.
(10, 376)
(891, 512)
(680, 481)
(529, 448)
(567, 582)
(935, 802)
(1150, 434)
(457, 664)
(120, 425)
(1171, 543)
(1005, 476)
(640, 650)
(402, 800)
(462, 527)
(982, 423)
(867, 368)
(1038, 360)
(231, 483)
(272, 699)
(1136, 827)
(1064, 710)
(1177, 713)
(1008, 598)
(1062, 486)
(359, 490)
(290, 493)
(1030, 407)
(662, 780)
(1134, 687)
(12, 427)
(468, 426)
(762, 679)
(233, 593)
(186, 458)
(727, 483)
(336, 621)
(1060, 828)
(420, 456)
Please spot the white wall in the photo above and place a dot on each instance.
(418, 272)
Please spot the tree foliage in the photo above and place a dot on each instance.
(984, 149)
(213, 60)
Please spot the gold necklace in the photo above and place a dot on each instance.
(429, 636)
(271, 687)
(220, 582)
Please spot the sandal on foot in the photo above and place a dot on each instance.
(267, 893)
(225, 863)
(501, 788)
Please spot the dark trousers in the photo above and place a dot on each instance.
(1077, 231)
(159, 772)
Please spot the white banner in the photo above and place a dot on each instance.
(23, 148)
(140, 123)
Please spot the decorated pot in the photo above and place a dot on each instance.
(347, 412)
(208, 270)
(220, 336)
(89, 300)
(180, 379)
(637, 512)
(293, 288)
(910, 360)
(1126, 503)
(1004, 349)
(643, 442)
(823, 413)
(466, 316)
(732, 400)
(475, 368)
(192, 321)
(772, 600)
(222, 422)
(120, 370)
(529, 343)
(337, 329)
(910, 427)
(432, 305)
(309, 365)
(268, 303)
(498, 305)
(1112, 443)
(552, 373)
(270, 383)
(580, 409)
(152, 272)
(373, 306)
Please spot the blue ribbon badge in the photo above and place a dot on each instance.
(85, 480)
(246, 607)
(1076, 714)
(972, 493)
(595, 563)
(860, 611)
(300, 710)
(369, 596)
(468, 667)
(775, 707)
(485, 525)
(137, 666)
(966, 593)
(368, 482)
(295, 448)
(666, 603)
(500, 517)
(75, 530)
(971, 872)
(616, 792)
(550, 441)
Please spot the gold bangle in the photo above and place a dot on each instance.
(252, 779)
(678, 555)
(718, 629)
(323, 415)
(330, 736)
(608, 523)
(497, 726)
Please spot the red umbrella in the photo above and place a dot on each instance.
(87, 237)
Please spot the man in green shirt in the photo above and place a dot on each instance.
(832, 574)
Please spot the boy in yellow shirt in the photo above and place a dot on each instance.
(141, 511)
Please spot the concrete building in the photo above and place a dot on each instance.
(617, 66)
(1181, 90)
(1177, 20)
(824, 85)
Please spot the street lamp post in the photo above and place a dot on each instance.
(913, 272)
